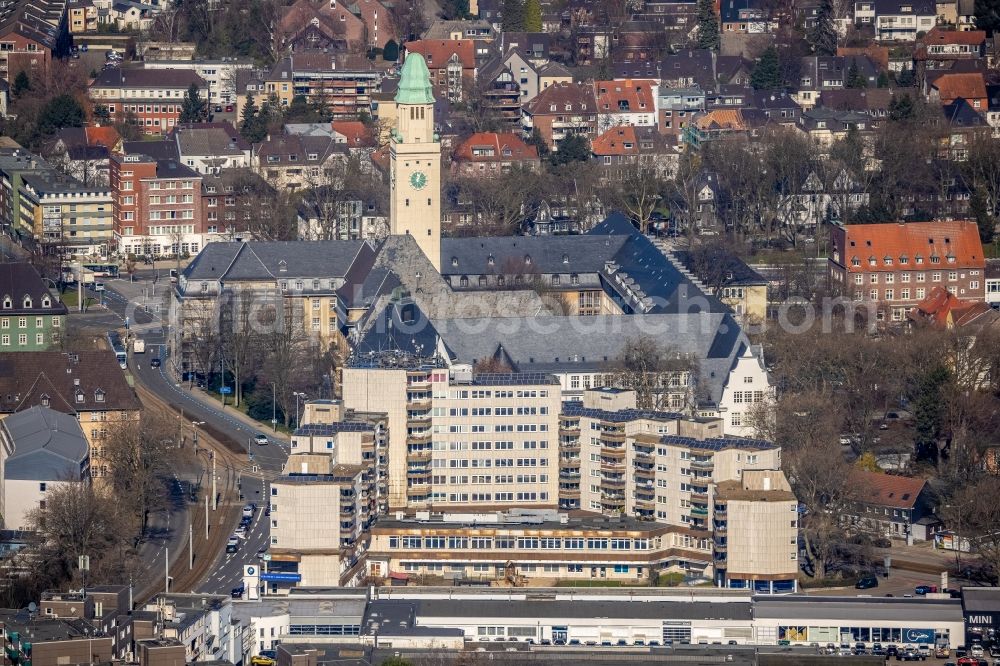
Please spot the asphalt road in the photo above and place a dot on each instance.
(227, 570)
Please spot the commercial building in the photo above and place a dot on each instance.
(157, 206)
(220, 75)
(148, 98)
(31, 317)
(892, 267)
(43, 449)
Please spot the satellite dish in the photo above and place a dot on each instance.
(32, 607)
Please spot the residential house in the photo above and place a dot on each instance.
(221, 75)
(44, 450)
(626, 102)
(533, 45)
(559, 111)
(817, 202)
(894, 506)
(31, 317)
(14, 164)
(378, 20)
(476, 29)
(330, 213)
(81, 17)
(942, 309)
(939, 48)
(83, 152)
(898, 20)
(125, 15)
(487, 154)
(623, 151)
(88, 385)
(892, 267)
(677, 108)
(820, 74)
(63, 213)
(684, 69)
(158, 207)
(308, 26)
(715, 124)
(295, 162)
(827, 126)
(971, 87)
(28, 34)
(452, 64)
(551, 73)
(341, 82)
(150, 99)
(499, 93)
(565, 215)
(523, 70)
(211, 147)
(678, 18)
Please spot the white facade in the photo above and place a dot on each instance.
(748, 389)
(219, 74)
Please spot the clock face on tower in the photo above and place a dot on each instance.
(418, 180)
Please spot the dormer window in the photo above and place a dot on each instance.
(491, 260)
(46, 302)
(45, 400)
(872, 261)
(7, 303)
(27, 302)
(565, 258)
(904, 259)
(527, 260)
(99, 395)
(887, 260)
(855, 261)
(950, 257)
(454, 261)
(79, 395)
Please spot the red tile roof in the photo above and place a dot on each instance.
(942, 309)
(637, 95)
(353, 130)
(968, 86)
(505, 147)
(896, 492)
(939, 36)
(437, 52)
(721, 119)
(913, 240)
(106, 136)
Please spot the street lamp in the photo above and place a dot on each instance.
(194, 425)
(297, 396)
(274, 413)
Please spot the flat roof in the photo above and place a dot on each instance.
(981, 599)
(531, 611)
(851, 609)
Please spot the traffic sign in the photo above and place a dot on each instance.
(226, 390)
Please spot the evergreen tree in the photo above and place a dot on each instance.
(883, 80)
(253, 127)
(987, 15)
(532, 15)
(21, 83)
(60, 111)
(855, 79)
(906, 79)
(194, 109)
(512, 16)
(708, 25)
(767, 72)
(980, 210)
(901, 107)
(538, 142)
(574, 148)
(823, 35)
(390, 52)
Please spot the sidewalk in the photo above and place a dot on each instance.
(921, 557)
(233, 413)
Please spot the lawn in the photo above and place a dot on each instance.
(265, 427)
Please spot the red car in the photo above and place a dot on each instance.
(229, 108)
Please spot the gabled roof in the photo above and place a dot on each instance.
(961, 114)
(354, 131)
(965, 85)
(505, 146)
(27, 378)
(437, 52)
(18, 281)
(959, 238)
(888, 490)
(625, 96)
(942, 309)
(119, 77)
(104, 135)
(628, 140)
(721, 119)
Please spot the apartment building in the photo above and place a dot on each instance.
(901, 20)
(62, 212)
(149, 98)
(459, 438)
(30, 29)
(451, 62)
(561, 110)
(87, 384)
(14, 164)
(31, 317)
(626, 102)
(892, 267)
(220, 75)
(343, 83)
(157, 206)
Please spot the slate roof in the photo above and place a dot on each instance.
(544, 254)
(27, 377)
(158, 150)
(19, 280)
(174, 169)
(48, 445)
(118, 77)
(579, 97)
(213, 141)
(271, 260)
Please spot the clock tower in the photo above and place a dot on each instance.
(415, 162)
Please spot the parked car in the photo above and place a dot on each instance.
(248, 510)
(977, 651)
(261, 553)
(866, 582)
(229, 108)
(924, 589)
(154, 362)
(233, 544)
(238, 592)
(262, 440)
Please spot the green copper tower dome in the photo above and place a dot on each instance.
(415, 82)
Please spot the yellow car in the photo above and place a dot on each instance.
(258, 660)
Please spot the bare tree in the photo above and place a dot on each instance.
(637, 190)
(655, 373)
(245, 315)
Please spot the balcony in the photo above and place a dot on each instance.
(613, 436)
(569, 476)
(416, 492)
(644, 456)
(612, 466)
(569, 463)
(644, 473)
(617, 484)
(699, 496)
(720, 526)
(418, 438)
(569, 493)
(644, 503)
(419, 456)
(569, 432)
(419, 404)
(418, 473)
(702, 463)
(573, 445)
(616, 454)
(419, 384)
(613, 502)
(418, 420)
(699, 512)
